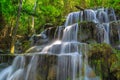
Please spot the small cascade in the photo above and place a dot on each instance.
(67, 66)
(15, 71)
(69, 40)
(53, 48)
(19, 71)
(59, 30)
(89, 15)
(31, 70)
(102, 17)
(70, 33)
(72, 56)
(73, 18)
(104, 32)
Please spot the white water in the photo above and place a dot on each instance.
(72, 61)
(73, 18)
(15, 71)
(31, 70)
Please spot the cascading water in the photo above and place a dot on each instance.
(101, 17)
(72, 58)
(15, 71)
(73, 18)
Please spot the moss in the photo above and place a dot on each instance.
(106, 59)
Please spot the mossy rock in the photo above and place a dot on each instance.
(87, 31)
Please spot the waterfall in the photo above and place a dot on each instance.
(69, 57)
(72, 57)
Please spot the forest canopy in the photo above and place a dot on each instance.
(46, 11)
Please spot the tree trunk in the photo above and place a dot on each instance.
(15, 29)
(33, 29)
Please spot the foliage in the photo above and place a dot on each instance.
(48, 11)
(116, 66)
(107, 58)
(100, 50)
(8, 9)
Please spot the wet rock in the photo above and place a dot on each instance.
(87, 32)
(48, 25)
(114, 33)
(38, 39)
(111, 14)
(44, 37)
(50, 33)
